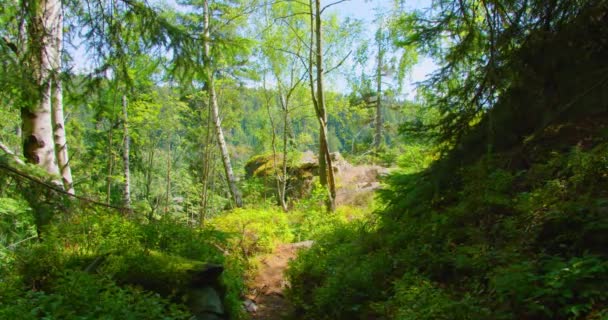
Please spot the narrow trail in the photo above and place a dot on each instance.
(266, 290)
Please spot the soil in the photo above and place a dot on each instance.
(266, 290)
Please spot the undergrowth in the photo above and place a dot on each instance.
(105, 266)
(505, 244)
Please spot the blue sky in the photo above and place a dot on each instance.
(366, 10)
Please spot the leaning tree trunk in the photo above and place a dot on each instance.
(206, 170)
(326, 172)
(125, 154)
(38, 146)
(236, 195)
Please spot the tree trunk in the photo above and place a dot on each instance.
(168, 181)
(38, 146)
(378, 118)
(110, 166)
(283, 187)
(236, 195)
(206, 170)
(280, 177)
(326, 172)
(61, 144)
(125, 154)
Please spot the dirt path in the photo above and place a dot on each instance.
(266, 289)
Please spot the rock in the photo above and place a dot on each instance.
(336, 156)
(205, 303)
(250, 306)
(308, 157)
(303, 244)
(207, 275)
(203, 297)
(300, 173)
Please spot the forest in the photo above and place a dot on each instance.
(287, 159)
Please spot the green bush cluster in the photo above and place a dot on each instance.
(106, 266)
(310, 219)
(255, 230)
(496, 242)
(258, 230)
(80, 295)
(16, 226)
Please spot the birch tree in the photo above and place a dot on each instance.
(224, 54)
(215, 113)
(43, 29)
(282, 53)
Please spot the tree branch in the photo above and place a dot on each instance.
(11, 153)
(339, 63)
(332, 4)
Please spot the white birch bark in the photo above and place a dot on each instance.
(38, 145)
(125, 154)
(236, 195)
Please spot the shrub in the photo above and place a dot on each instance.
(95, 261)
(79, 295)
(255, 230)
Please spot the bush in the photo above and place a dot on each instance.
(79, 295)
(90, 266)
(417, 298)
(16, 226)
(494, 243)
(255, 230)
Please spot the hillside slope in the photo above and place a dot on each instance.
(507, 225)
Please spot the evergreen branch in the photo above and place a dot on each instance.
(58, 189)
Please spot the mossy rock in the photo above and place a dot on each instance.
(155, 271)
(263, 165)
(300, 173)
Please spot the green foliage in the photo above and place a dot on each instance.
(256, 230)
(94, 265)
(415, 297)
(500, 244)
(554, 287)
(309, 218)
(79, 295)
(16, 225)
(334, 277)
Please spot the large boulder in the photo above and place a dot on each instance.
(355, 184)
(300, 172)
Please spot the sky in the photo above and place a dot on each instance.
(366, 10)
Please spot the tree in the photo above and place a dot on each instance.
(125, 153)
(210, 87)
(474, 42)
(381, 43)
(44, 25)
(326, 172)
(281, 52)
(224, 51)
(59, 134)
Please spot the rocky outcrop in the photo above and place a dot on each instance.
(300, 173)
(352, 181)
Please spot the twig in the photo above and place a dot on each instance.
(13, 245)
(11, 153)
